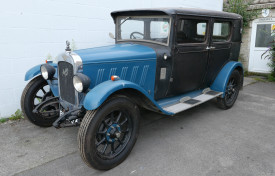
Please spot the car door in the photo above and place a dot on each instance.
(190, 54)
(219, 48)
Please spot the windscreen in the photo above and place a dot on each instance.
(148, 29)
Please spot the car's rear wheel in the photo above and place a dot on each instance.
(232, 91)
(108, 134)
(37, 91)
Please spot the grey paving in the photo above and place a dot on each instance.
(248, 81)
(201, 141)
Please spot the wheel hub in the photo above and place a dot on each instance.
(230, 90)
(113, 133)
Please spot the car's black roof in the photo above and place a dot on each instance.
(173, 11)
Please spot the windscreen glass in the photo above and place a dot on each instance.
(150, 29)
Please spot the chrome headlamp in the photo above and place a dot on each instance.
(81, 82)
(47, 71)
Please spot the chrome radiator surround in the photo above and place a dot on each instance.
(75, 60)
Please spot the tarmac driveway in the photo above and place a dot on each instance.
(201, 141)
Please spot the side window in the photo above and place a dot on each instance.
(221, 31)
(191, 31)
(159, 29)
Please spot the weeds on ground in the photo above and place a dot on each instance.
(260, 79)
(266, 77)
(271, 78)
(16, 116)
(3, 120)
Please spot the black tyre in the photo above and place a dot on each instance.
(108, 134)
(232, 91)
(37, 91)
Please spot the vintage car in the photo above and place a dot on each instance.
(165, 60)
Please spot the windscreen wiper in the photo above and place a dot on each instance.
(127, 18)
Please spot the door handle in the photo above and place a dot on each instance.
(210, 48)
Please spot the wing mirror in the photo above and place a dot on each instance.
(111, 35)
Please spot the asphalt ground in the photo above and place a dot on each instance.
(201, 141)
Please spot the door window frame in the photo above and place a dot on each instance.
(207, 33)
(220, 20)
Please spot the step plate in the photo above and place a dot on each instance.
(179, 107)
(191, 101)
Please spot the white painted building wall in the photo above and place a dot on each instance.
(30, 30)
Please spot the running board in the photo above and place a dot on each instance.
(187, 102)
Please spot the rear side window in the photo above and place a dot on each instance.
(221, 31)
(191, 31)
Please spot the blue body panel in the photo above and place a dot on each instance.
(131, 62)
(222, 79)
(126, 52)
(102, 91)
(32, 72)
(54, 87)
(135, 65)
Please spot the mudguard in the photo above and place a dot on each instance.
(221, 80)
(32, 72)
(101, 92)
(36, 71)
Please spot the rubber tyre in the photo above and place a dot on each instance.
(27, 103)
(221, 102)
(89, 126)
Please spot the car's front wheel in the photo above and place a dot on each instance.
(36, 92)
(108, 134)
(232, 91)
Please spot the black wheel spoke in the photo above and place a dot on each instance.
(122, 123)
(102, 132)
(105, 147)
(100, 142)
(36, 96)
(106, 124)
(118, 117)
(43, 90)
(113, 148)
(112, 117)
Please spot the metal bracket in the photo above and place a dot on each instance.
(182, 100)
(40, 105)
(206, 90)
(70, 115)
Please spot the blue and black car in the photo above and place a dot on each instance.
(165, 60)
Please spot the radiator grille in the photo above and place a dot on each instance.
(65, 74)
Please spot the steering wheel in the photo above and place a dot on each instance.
(132, 35)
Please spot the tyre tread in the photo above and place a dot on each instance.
(221, 101)
(81, 134)
(22, 103)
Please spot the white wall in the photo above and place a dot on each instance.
(30, 30)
